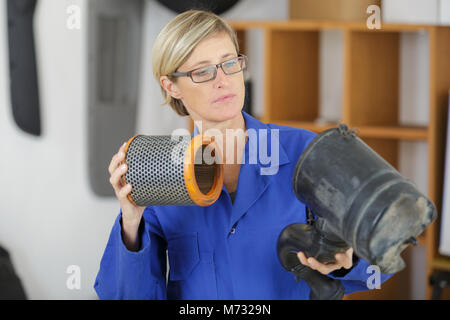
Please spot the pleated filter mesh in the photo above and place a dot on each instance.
(156, 178)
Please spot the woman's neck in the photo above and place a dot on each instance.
(230, 135)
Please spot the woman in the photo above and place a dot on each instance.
(226, 250)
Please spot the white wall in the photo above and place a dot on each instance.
(416, 11)
(49, 219)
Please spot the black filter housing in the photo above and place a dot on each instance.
(216, 6)
(363, 199)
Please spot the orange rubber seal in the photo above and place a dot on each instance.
(122, 178)
(195, 194)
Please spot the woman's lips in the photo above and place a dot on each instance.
(225, 98)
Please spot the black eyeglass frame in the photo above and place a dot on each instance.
(219, 65)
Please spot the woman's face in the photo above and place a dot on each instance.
(217, 100)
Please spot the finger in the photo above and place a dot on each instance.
(122, 195)
(116, 175)
(345, 260)
(341, 258)
(302, 257)
(328, 269)
(125, 191)
(314, 264)
(349, 254)
(321, 267)
(112, 164)
(116, 159)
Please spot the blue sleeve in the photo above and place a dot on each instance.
(361, 277)
(136, 275)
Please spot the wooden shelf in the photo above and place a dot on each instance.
(393, 132)
(382, 132)
(441, 263)
(311, 126)
(371, 85)
(324, 25)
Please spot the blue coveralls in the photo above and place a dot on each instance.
(223, 251)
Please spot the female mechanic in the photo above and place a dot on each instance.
(226, 250)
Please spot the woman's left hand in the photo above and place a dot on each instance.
(343, 260)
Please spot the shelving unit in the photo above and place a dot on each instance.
(370, 100)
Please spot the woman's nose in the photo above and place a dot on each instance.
(221, 78)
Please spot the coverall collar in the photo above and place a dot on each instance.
(252, 181)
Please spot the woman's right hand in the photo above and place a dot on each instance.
(131, 214)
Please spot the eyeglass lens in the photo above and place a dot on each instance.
(208, 73)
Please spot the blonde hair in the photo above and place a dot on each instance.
(177, 40)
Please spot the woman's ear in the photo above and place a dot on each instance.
(170, 87)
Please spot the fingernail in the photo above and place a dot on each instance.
(123, 167)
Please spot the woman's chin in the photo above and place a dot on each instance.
(225, 113)
(220, 113)
(228, 116)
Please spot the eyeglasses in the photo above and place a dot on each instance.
(209, 73)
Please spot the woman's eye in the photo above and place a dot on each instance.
(201, 73)
(230, 64)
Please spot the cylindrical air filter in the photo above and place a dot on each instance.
(173, 170)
